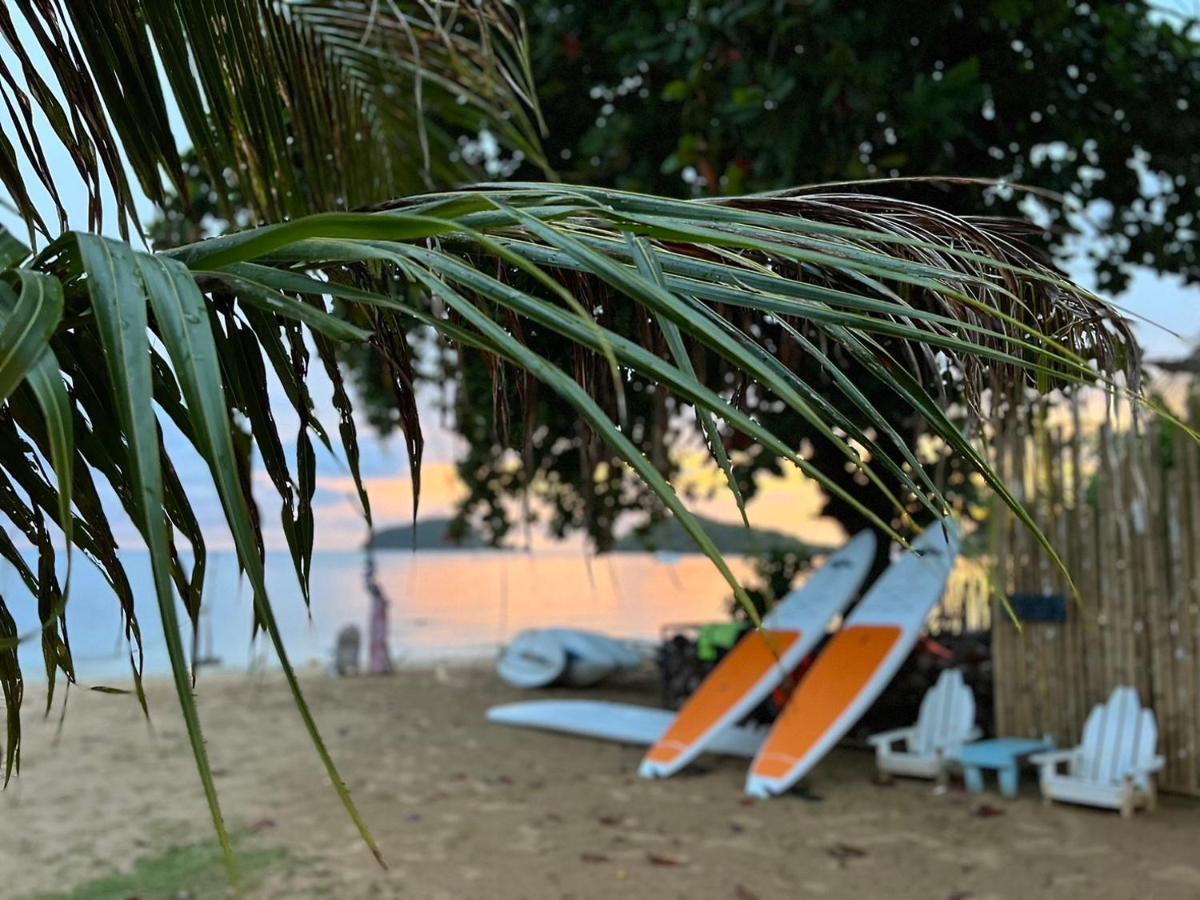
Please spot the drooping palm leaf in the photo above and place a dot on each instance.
(309, 107)
(305, 105)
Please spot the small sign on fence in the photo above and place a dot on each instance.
(1039, 607)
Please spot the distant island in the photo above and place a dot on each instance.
(732, 538)
(667, 536)
(430, 534)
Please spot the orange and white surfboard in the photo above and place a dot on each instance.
(857, 664)
(762, 659)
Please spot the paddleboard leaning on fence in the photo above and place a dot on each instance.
(762, 659)
(857, 664)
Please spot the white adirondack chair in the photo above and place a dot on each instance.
(1114, 765)
(945, 722)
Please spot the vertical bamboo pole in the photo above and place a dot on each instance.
(1184, 538)
(1109, 539)
(1026, 666)
(1168, 484)
(1152, 605)
(1090, 579)
(1066, 662)
(1001, 524)
(1191, 599)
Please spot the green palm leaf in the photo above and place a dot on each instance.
(182, 316)
(258, 86)
(114, 285)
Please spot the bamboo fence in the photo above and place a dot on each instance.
(1123, 511)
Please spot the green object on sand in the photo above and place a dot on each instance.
(717, 637)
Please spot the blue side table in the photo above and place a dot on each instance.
(1003, 755)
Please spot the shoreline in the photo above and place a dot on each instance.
(441, 606)
(468, 657)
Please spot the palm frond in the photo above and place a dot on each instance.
(303, 106)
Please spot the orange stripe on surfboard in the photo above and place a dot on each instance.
(831, 685)
(753, 657)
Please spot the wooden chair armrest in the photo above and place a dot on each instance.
(951, 748)
(885, 739)
(1155, 764)
(1054, 758)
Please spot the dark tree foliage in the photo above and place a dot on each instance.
(715, 97)
(1096, 101)
(696, 97)
(775, 572)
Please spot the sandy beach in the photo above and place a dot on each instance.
(463, 809)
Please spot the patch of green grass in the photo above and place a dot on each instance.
(196, 871)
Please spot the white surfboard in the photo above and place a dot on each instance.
(857, 664)
(621, 722)
(762, 659)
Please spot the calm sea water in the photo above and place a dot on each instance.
(442, 605)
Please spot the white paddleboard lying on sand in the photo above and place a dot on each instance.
(762, 659)
(621, 722)
(571, 656)
(857, 664)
